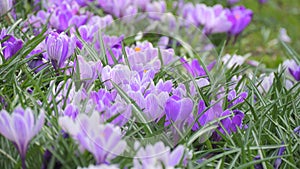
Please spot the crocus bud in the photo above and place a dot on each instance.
(5, 6)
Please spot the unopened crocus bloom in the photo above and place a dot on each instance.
(59, 48)
(104, 141)
(5, 6)
(279, 160)
(20, 127)
(158, 156)
(266, 82)
(240, 17)
(284, 36)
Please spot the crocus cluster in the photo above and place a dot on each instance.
(104, 141)
(217, 19)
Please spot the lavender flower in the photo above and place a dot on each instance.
(213, 19)
(236, 99)
(195, 68)
(5, 6)
(158, 156)
(240, 17)
(104, 141)
(155, 9)
(88, 71)
(284, 36)
(178, 109)
(295, 72)
(20, 128)
(59, 48)
(234, 60)
(266, 82)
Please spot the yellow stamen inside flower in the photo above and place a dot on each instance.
(137, 49)
(145, 71)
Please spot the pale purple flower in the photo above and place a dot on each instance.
(20, 127)
(284, 36)
(158, 156)
(293, 68)
(5, 6)
(200, 83)
(213, 113)
(240, 17)
(213, 19)
(104, 141)
(178, 109)
(233, 60)
(59, 48)
(88, 71)
(266, 82)
(156, 9)
(118, 8)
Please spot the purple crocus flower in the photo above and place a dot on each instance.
(178, 109)
(230, 124)
(236, 99)
(104, 141)
(195, 68)
(118, 8)
(240, 17)
(292, 68)
(59, 48)
(5, 6)
(157, 156)
(88, 71)
(20, 127)
(213, 19)
(11, 45)
(279, 160)
(156, 9)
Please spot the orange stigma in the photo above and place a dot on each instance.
(137, 49)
